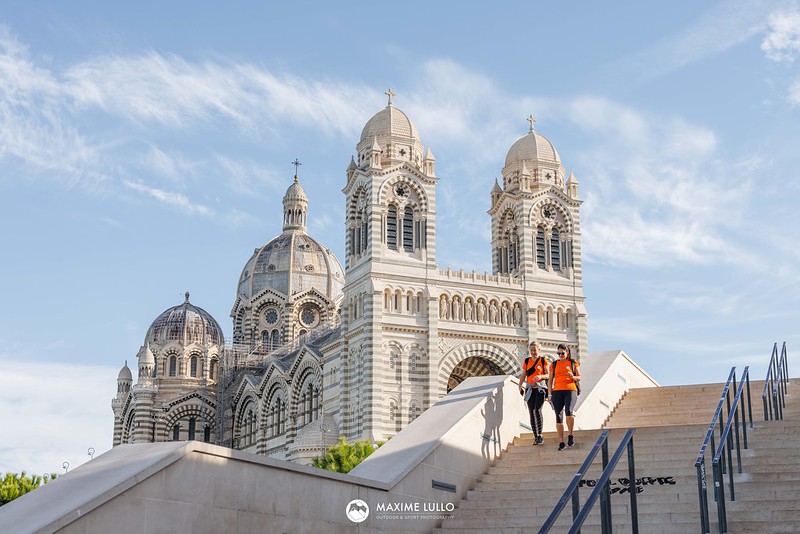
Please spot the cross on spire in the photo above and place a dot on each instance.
(390, 94)
(532, 121)
(296, 164)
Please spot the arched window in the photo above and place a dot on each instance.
(391, 227)
(408, 230)
(540, 248)
(398, 371)
(173, 365)
(413, 412)
(363, 217)
(193, 367)
(176, 432)
(555, 250)
(273, 339)
(265, 340)
(303, 332)
(212, 371)
(207, 434)
(192, 427)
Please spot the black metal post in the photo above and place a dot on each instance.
(719, 484)
(605, 496)
(634, 489)
(702, 492)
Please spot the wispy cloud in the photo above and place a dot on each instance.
(173, 91)
(723, 26)
(175, 200)
(659, 194)
(246, 177)
(33, 130)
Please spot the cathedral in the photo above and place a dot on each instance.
(323, 348)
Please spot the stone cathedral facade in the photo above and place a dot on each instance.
(323, 348)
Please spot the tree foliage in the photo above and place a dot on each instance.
(344, 456)
(13, 485)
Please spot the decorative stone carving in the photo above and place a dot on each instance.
(493, 313)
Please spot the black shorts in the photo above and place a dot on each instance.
(564, 400)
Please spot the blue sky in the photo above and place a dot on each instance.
(145, 149)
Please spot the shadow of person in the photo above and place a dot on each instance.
(488, 414)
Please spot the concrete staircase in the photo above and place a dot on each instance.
(518, 493)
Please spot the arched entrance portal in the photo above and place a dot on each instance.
(472, 366)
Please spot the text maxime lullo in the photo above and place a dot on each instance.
(414, 507)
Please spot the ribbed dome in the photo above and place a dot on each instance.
(187, 324)
(295, 192)
(389, 121)
(532, 147)
(291, 263)
(125, 373)
(312, 437)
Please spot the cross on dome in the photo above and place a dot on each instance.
(296, 164)
(390, 94)
(187, 296)
(532, 121)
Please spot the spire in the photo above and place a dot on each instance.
(572, 185)
(496, 188)
(187, 298)
(295, 204)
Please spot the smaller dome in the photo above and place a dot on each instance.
(185, 323)
(532, 147)
(317, 435)
(295, 192)
(125, 373)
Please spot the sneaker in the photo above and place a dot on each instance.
(561, 446)
(570, 441)
(538, 441)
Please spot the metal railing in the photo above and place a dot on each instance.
(775, 383)
(602, 490)
(727, 441)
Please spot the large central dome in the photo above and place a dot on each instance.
(291, 263)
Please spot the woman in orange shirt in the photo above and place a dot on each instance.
(533, 384)
(564, 376)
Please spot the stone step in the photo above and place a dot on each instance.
(490, 524)
(478, 500)
(518, 492)
(618, 506)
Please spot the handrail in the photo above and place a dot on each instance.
(700, 462)
(776, 380)
(572, 488)
(726, 444)
(601, 490)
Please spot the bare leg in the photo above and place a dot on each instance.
(570, 424)
(560, 430)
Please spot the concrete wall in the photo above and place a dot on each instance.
(613, 373)
(196, 487)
